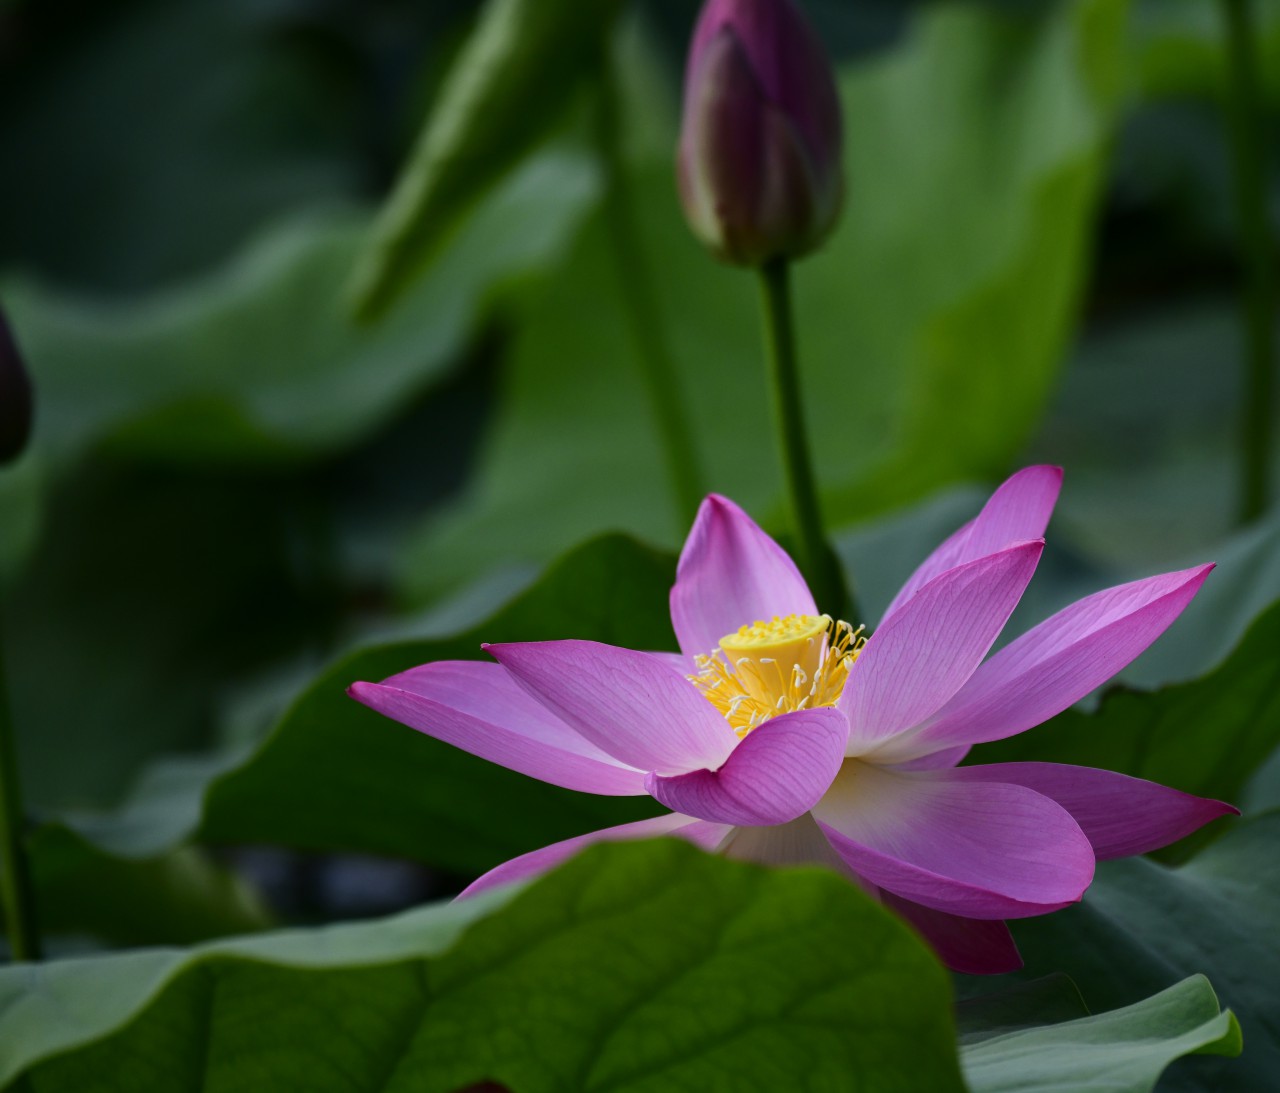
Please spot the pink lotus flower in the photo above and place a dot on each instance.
(781, 736)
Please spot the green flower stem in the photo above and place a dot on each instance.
(1259, 293)
(817, 561)
(640, 306)
(15, 881)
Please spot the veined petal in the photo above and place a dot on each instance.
(777, 773)
(925, 652)
(974, 946)
(480, 708)
(731, 574)
(1055, 664)
(633, 706)
(1119, 815)
(707, 836)
(678, 661)
(936, 760)
(974, 849)
(1018, 510)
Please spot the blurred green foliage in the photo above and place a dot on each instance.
(238, 500)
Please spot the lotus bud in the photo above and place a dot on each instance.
(759, 158)
(15, 397)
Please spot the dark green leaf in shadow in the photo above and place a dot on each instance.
(504, 92)
(333, 775)
(1008, 1007)
(645, 967)
(1143, 927)
(1146, 422)
(146, 596)
(258, 362)
(1124, 1051)
(175, 898)
(134, 171)
(123, 651)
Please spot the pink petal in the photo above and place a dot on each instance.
(633, 706)
(479, 708)
(1059, 662)
(926, 651)
(1120, 815)
(706, 836)
(1018, 510)
(731, 574)
(936, 760)
(974, 849)
(777, 773)
(677, 662)
(974, 946)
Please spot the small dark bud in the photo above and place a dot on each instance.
(15, 397)
(759, 158)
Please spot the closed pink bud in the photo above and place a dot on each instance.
(759, 159)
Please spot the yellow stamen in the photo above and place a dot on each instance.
(769, 668)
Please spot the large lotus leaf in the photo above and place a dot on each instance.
(1143, 927)
(931, 325)
(258, 361)
(334, 775)
(1124, 1051)
(643, 967)
(504, 92)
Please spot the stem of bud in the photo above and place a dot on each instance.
(15, 880)
(1259, 290)
(817, 561)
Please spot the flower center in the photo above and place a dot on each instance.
(770, 668)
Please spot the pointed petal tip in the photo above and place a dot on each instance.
(1017, 546)
(1050, 476)
(1195, 577)
(718, 501)
(731, 572)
